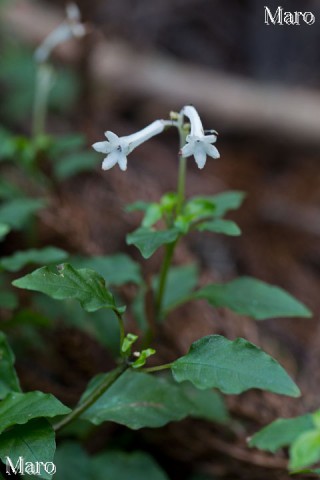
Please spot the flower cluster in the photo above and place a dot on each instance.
(197, 144)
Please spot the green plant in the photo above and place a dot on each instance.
(135, 393)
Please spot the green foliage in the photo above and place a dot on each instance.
(124, 466)
(232, 367)
(7, 147)
(9, 381)
(17, 213)
(224, 202)
(305, 450)
(127, 343)
(140, 400)
(204, 213)
(226, 227)
(84, 285)
(4, 230)
(138, 206)
(252, 297)
(34, 441)
(137, 400)
(152, 215)
(73, 462)
(18, 74)
(281, 433)
(20, 259)
(74, 163)
(116, 269)
(148, 240)
(180, 283)
(101, 324)
(20, 408)
(205, 404)
(142, 358)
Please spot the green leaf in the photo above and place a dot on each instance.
(227, 227)
(148, 240)
(137, 206)
(281, 433)
(20, 408)
(39, 256)
(254, 298)
(144, 355)
(74, 163)
(4, 230)
(180, 283)
(124, 466)
(9, 381)
(152, 215)
(116, 269)
(137, 400)
(16, 213)
(225, 201)
(102, 324)
(206, 404)
(305, 451)
(232, 367)
(72, 462)
(34, 442)
(84, 285)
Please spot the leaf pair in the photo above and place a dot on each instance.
(204, 213)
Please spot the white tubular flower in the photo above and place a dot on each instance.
(198, 144)
(70, 28)
(117, 148)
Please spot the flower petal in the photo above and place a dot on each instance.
(122, 160)
(102, 147)
(200, 157)
(112, 137)
(212, 151)
(110, 160)
(187, 150)
(209, 138)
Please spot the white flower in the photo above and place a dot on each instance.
(70, 28)
(117, 148)
(198, 144)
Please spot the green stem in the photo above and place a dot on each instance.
(92, 398)
(180, 201)
(157, 368)
(122, 331)
(42, 89)
(163, 276)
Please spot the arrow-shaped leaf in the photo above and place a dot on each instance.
(232, 367)
(20, 408)
(84, 285)
(148, 240)
(249, 296)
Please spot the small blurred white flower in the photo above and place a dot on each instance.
(117, 148)
(71, 27)
(198, 144)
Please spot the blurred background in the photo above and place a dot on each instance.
(258, 86)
